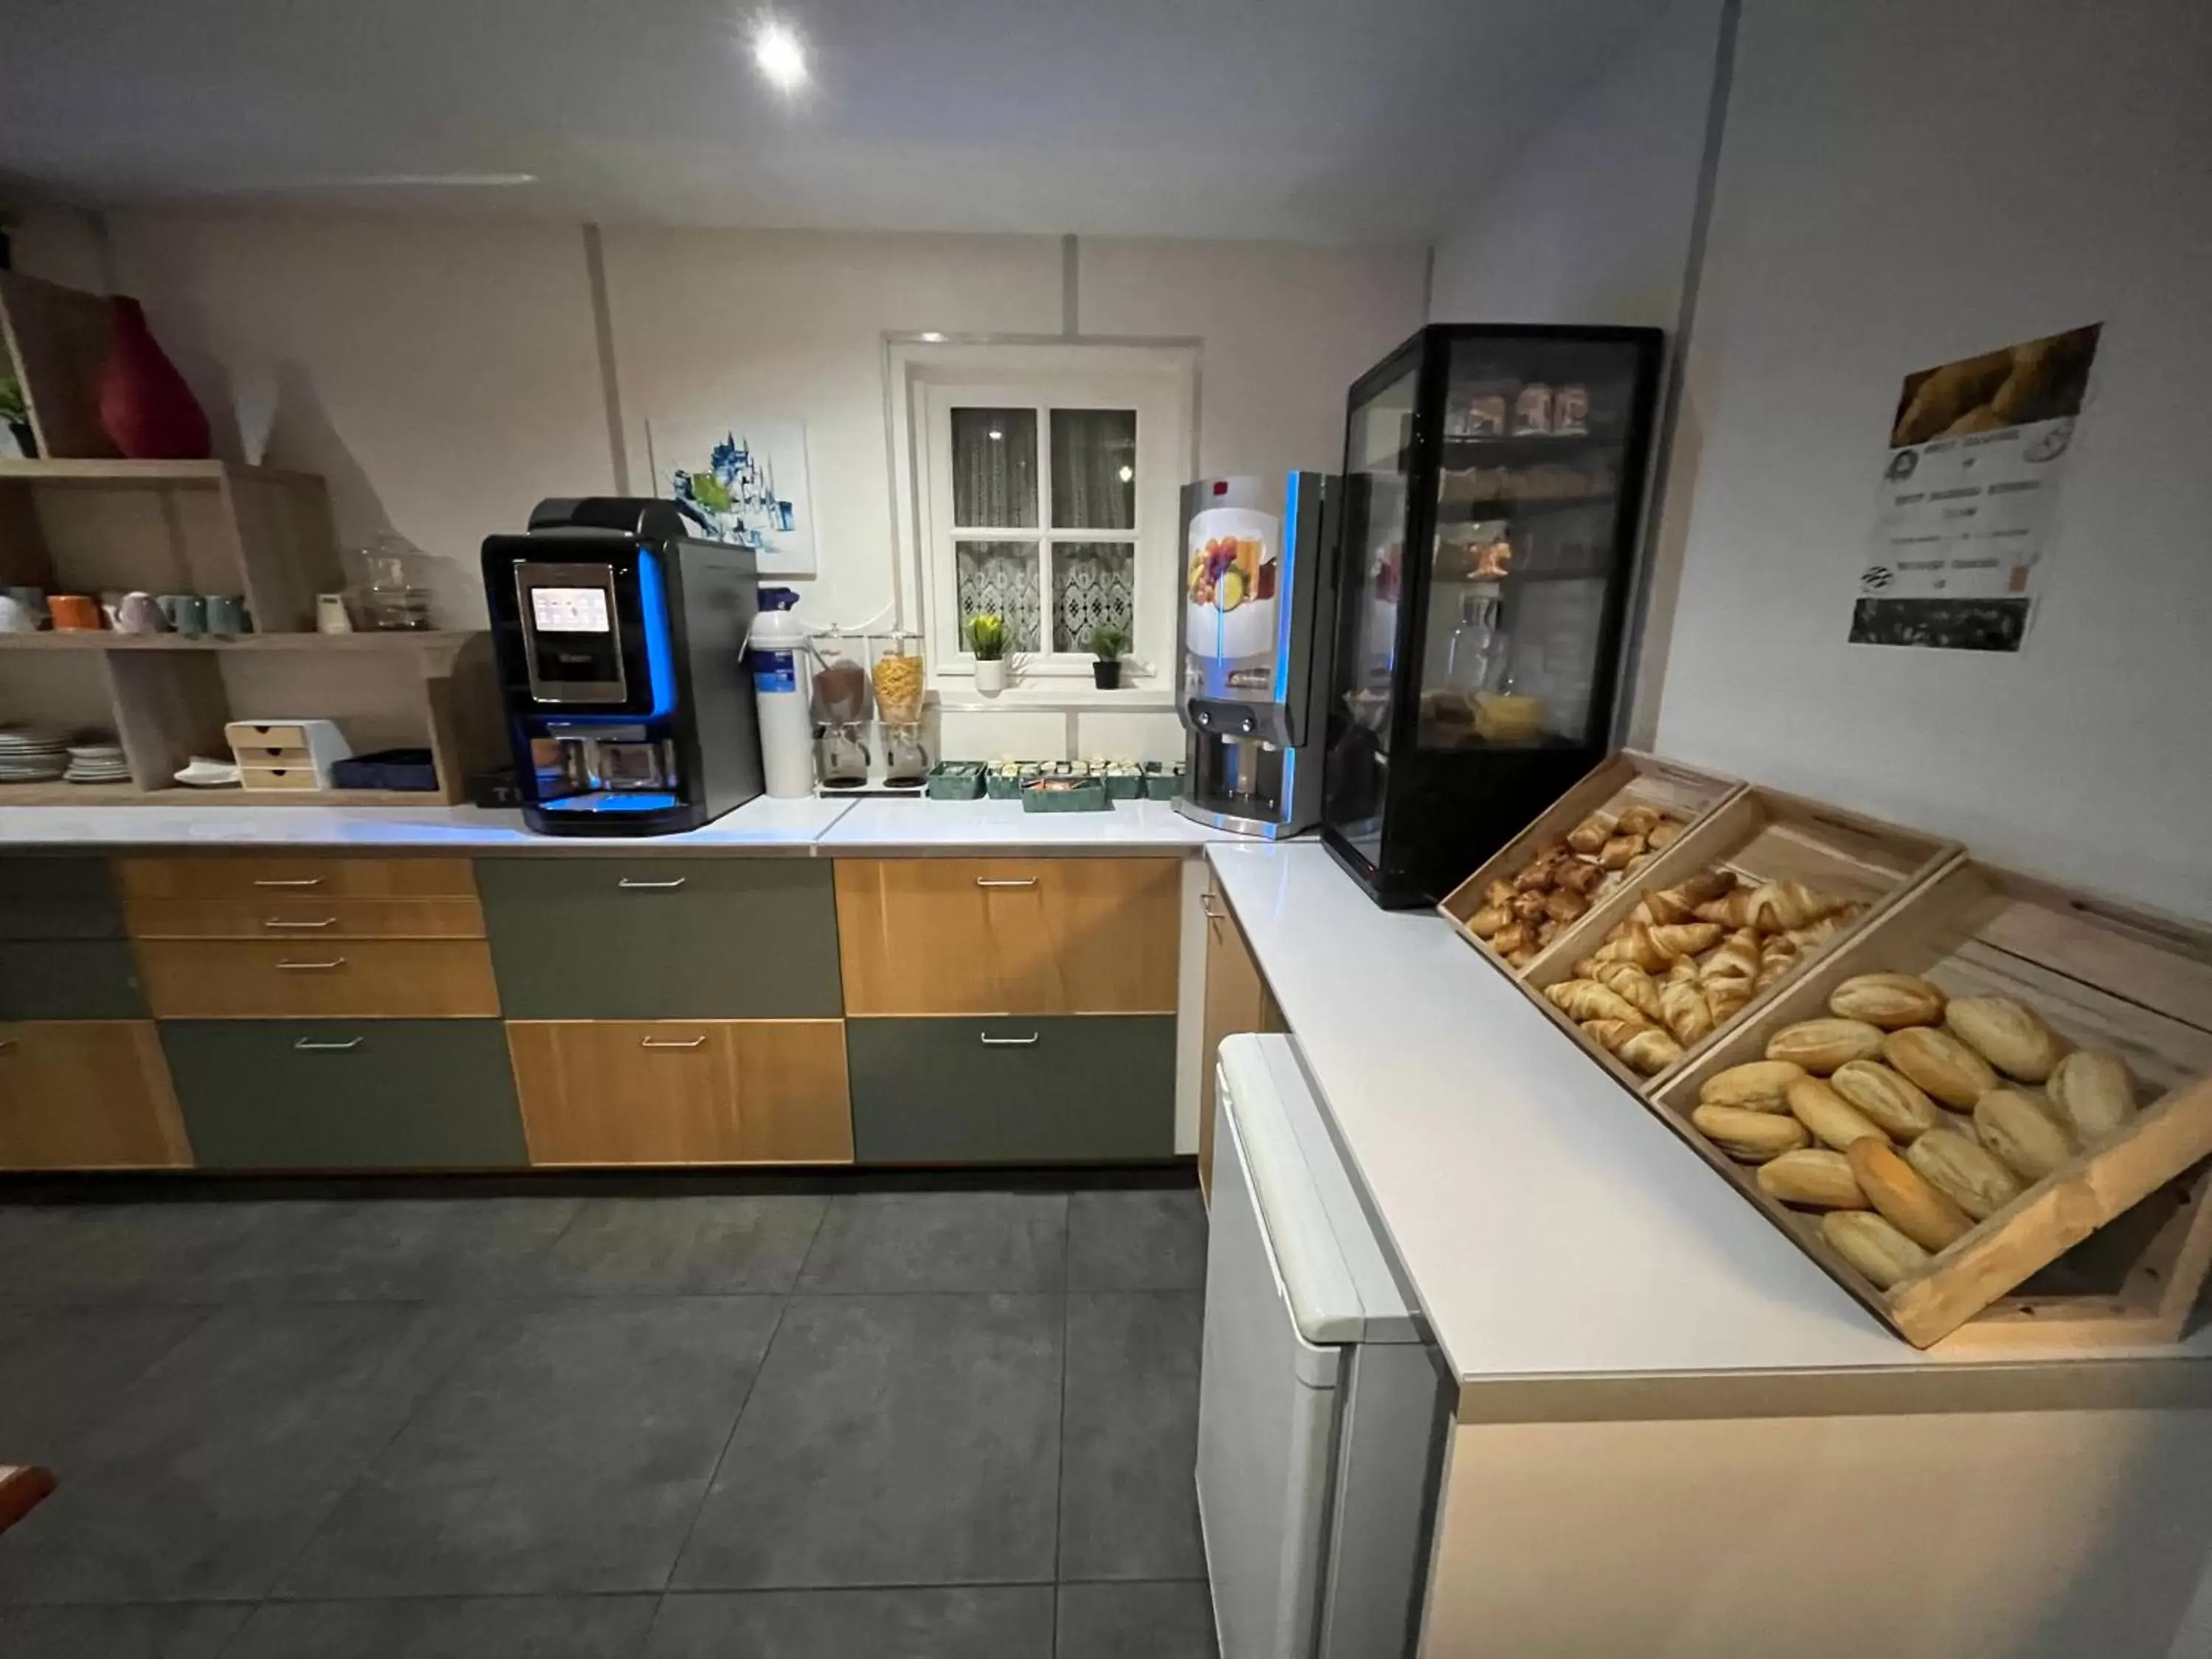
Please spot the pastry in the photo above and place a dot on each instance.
(1822, 1045)
(1647, 1048)
(1685, 939)
(2009, 1035)
(1578, 876)
(1832, 1120)
(1619, 850)
(1776, 957)
(1592, 832)
(1522, 956)
(1760, 1085)
(1637, 821)
(1583, 999)
(2028, 1139)
(1487, 921)
(1812, 1176)
(1735, 957)
(1889, 1001)
(1773, 907)
(1499, 893)
(1725, 996)
(1893, 1105)
(1637, 945)
(1632, 985)
(1873, 1245)
(2093, 1091)
(1682, 1002)
(1561, 905)
(1529, 905)
(1679, 902)
(1946, 1067)
(1665, 833)
(1749, 1137)
(1906, 1201)
(1962, 1170)
(1512, 937)
(1536, 875)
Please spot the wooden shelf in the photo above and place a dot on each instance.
(439, 643)
(144, 474)
(129, 794)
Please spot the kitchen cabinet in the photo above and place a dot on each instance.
(315, 978)
(306, 917)
(683, 1092)
(1237, 999)
(45, 897)
(259, 876)
(358, 1094)
(1009, 936)
(1095, 1088)
(70, 979)
(86, 1094)
(592, 937)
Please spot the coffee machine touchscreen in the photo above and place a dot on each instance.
(571, 610)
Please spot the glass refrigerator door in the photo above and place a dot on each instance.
(1529, 555)
(1378, 457)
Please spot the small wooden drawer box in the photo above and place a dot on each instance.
(295, 777)
(303, 979)
(286, 754)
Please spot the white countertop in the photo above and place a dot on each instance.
(879, 824)
(1550, 1226)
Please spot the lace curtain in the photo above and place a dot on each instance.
(994, 468)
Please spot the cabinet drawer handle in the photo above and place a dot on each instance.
(651, 886)
(312, 967)
(7, 1045)
(669, 1042)
(987, 881)
(990, 1042)
(1206, 904)
(327, 921)
(295, 881)
(309, 1046)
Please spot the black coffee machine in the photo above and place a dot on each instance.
(622, 644)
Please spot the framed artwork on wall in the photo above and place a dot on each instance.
(743, 482)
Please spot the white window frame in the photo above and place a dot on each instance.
(926, 381)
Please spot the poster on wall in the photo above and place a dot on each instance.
(1970, 495)
(740, 481)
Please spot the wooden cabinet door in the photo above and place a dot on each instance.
(86, 1094)
(318, 979)
(683, 1092)
(1009, 936)
(1237, 999)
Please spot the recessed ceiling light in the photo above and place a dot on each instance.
(931, 336)
(779, 57)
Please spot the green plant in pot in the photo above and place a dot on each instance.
(987, 640)
(1108, 643)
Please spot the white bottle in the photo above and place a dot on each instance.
(777, 648)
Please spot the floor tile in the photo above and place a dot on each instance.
(960, 1240)
(392, 1250)
(891, 1440)
(683, 1246)
(183, 1631)
(62, 1369)
(566, 1452)
(1136, 1241)
(1135, 1621)
(146, 1252)
(439, 1628)
(213, 1466)
(955, 1623)
(1128, 1505)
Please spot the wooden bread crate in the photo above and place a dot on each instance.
(1760, 834)
(1627, 778)
(2113, 1247)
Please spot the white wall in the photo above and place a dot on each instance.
(1900, 184)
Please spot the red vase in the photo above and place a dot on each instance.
(145, 407)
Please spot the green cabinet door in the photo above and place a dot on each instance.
(386, 1094)
(1077, 1089)
(50, 897)
(70, 979)
(588, 938)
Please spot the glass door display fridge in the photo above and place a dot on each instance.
(1494, 482)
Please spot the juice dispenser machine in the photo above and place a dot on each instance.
(1254, 632)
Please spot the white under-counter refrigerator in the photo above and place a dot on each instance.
(1323, 1404)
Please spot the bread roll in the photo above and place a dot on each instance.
(1813, 1176)
(1872, 1245)
(1906, 1202)
(1963, 1170)
(1938, 1062)
(1758, 1085)
(2094, 1092)
(1889, 1001)
(1889, 1101)
(1822, 1045)
(1592, 832)
(2027, 1138)
(1580, 999)
(1749, 1137)
(1684, 939)
(1632, 985)
(2011, 1036)
(1682, 1004)
(1832, 1120)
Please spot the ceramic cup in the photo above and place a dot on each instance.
(75, 613)
(331, 616)
(140, 614)
(111, 605)
(33, 601)
(187, 613)
(15, 617)
(226, 614)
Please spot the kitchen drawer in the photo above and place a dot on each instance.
(70, 979)
(318, 979)
(258, 775)
(323, 1095)
(1012, 1090)
(233, 875)
(1010, 936)
(587, 938)
(46, 898)
(86, 1094)
(278, 915)
(683, 1092)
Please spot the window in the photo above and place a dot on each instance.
(1046, 485)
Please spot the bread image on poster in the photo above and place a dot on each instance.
(2038, 381)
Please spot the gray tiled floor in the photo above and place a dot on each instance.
(921, 1423)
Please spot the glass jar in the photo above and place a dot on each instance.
(898, 680)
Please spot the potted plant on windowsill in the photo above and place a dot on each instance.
(986, 638)
(1108, 642)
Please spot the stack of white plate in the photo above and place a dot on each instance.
(30, 755)
(93, 760)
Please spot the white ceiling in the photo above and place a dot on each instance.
(1330, 119)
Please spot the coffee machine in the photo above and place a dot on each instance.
(620, 643)
(1253, 635)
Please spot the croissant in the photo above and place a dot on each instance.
(1585, 999)
(1637, 821)
(1679, 902)
(1729, 910)
(1777, 955)
(1521, 957)
(1810, 939)
(1589, 835)
(1579, 875)
(1638, 944)
(1586, 968)
(1617, 852)
(1686, 938)
(1631, 984)
(1725, 996)
(1777, 906)
(1643, 912)
(1688, 1015)
(1736, 957)
(1646, 1047)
